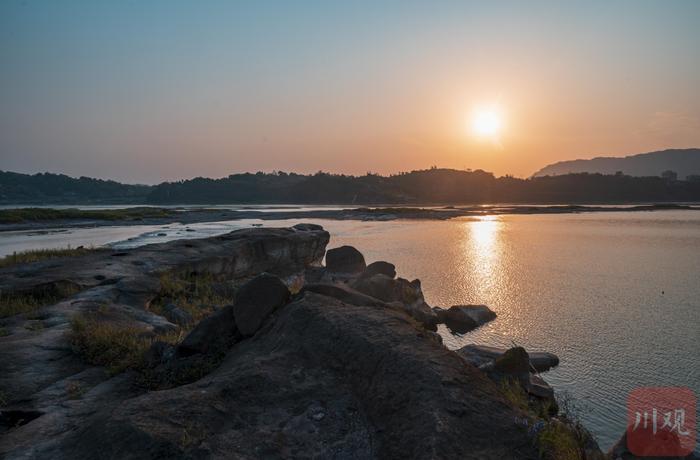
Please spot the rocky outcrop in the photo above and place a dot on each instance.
(325, 380)
(345, 259)
(39, 372)
(346, 368)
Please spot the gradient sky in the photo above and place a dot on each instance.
(144, 91)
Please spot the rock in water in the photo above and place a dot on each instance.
(345, 259)
(515, 361)
(256, 299)
(478, 355)
(380, 268)
(464, 318)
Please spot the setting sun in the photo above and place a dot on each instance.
(487, 123)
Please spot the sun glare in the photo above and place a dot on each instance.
(487, 123)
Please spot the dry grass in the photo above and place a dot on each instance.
(12, 304)
(193, 293)
(557, 441)
(515, 394)
(117, 346)
(35, 255)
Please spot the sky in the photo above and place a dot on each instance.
(146, 91)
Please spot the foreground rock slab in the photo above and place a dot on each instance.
(325, 380)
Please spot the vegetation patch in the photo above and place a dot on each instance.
(197, 294)
(515, 394)
(557, 441)
(117, 345)
(15, 303)
(21, 215)
(34, 255)
(555, 427)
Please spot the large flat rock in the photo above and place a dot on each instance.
(324, 380)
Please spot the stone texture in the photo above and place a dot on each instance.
(345, 259)
(256, 300)
(326, 380)
(380, 268)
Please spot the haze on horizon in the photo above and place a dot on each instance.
(163, 90)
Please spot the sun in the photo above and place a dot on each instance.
(487, 123)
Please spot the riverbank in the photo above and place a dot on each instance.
(23, 219)
(311, 360)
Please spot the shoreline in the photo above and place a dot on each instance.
(203, 215)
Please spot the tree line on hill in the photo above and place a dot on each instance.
(435, 185)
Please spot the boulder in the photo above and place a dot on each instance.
(514, 361)
(345, 259)
(213, 334)
(380, 268)
(390, 290)
(478, 355)
(464, 318)
(256, 300)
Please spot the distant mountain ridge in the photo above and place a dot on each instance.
(685, 162)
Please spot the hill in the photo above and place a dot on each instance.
(47, 188)
(684, 162)
(430, 186)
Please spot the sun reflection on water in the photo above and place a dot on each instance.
(483, 242)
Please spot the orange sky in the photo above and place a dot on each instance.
(170, 90)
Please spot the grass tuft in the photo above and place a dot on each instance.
(558, 441)
(194, 293)
(515, 394)
(12, 304)
(115, 345)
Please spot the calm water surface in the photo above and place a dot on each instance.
(615, 295)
